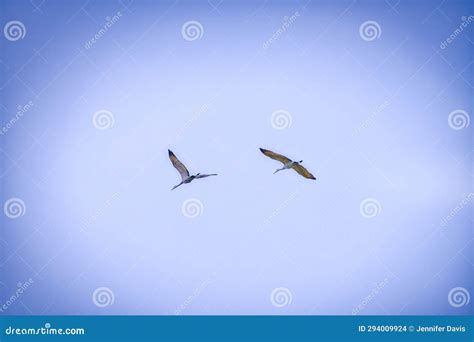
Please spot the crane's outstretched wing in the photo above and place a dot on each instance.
(303, 171)
(275, 156)
(205, 175)
(183, 171)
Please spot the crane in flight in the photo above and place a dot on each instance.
(183, 171)
(288, 164)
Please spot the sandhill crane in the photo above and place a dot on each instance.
(183, 171)
(288, 163)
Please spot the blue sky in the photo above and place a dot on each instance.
(368, 110)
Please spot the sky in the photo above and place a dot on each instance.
(370, 95)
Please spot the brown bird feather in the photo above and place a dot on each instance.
(281, 158)
(183, 171)
(276, 156)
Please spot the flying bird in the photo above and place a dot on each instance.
(183, 171)
(288, 163)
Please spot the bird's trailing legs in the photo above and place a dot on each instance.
(288, 166)
(191, 178)
(174, 187)
(205, 175)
